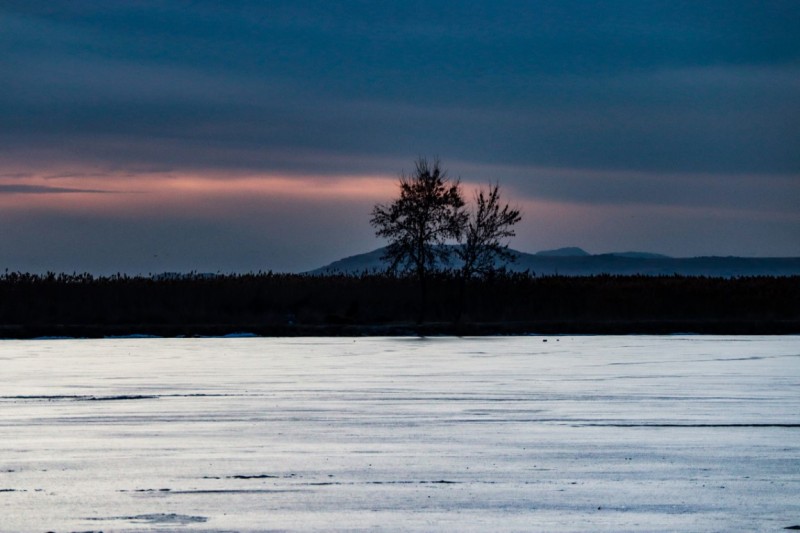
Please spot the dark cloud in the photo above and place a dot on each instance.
(16, 188)
(756, 193)
(666, 103)
(698, 86)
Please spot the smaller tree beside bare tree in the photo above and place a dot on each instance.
(485, 232)
(485, 238)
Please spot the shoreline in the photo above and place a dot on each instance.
(482, 329)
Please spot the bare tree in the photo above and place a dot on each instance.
(426, 215)
(485, 230)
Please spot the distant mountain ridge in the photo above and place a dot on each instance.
(571, 251)
(573, 261)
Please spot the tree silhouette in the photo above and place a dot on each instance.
(484, 232)
(419, 222)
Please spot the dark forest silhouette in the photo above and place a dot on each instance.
(295, 304)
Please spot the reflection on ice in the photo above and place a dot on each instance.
(247, 434)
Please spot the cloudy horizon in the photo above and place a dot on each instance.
(245, 136)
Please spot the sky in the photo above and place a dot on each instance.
(238, 136)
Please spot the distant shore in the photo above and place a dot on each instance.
(291, 305)
(709, 327)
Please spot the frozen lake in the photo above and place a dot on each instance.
(493, 434)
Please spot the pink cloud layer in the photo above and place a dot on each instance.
(126, 192)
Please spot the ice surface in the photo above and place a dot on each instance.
(630, 433)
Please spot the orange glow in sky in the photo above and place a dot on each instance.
(129, 192)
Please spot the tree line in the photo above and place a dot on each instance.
(295, 304)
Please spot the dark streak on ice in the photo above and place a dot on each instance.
(92, 398)
(622, 425)
(78, 398)
(329, 483)
(157, 518)
(586, 423)
(254, 476)
(749, 358)
(210, 491)
(234, 491)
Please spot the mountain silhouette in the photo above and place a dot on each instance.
(573, 261)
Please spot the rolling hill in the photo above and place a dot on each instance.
(577, 262)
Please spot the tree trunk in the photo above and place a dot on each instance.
(462, 292)
(423, 295)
